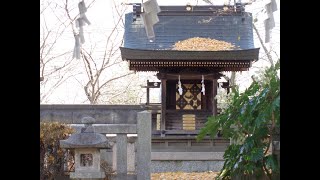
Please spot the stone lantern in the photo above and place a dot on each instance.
(87, 145)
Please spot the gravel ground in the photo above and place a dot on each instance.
(182, 175)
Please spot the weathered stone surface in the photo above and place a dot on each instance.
(78, 115)
(144, 145)
(77, 127)
(88, 120)
(85, 140)
(106, 155)
(131, 156)
(87, 175)
(185, 166)
(215, 165)
(103, 114)
(86, 170)
(131, 153)
(187, 156)
(109, 129)
(115, 128)
(121, 153)
(124, 177)
(59, 116)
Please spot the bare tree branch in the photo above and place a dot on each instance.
(263, 46)
(109, 37)
(115, 78)
(43, 96)
(95, 66)
(53, 70)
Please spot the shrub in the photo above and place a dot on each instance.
(52, 157)
(252, 121)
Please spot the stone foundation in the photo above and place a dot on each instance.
(186, 166)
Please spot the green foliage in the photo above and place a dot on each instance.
(250, 121)
(52, 157)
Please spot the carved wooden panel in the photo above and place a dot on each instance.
(190, 98)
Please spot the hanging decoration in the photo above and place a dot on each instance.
(83, 10)
(203, 90)
(269, 23)
(80, 22)
(219, 86)
(150, 17)
(76, 50)
(180, 87)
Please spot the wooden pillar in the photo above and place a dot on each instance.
(163, 104)
(148, 93)
(214, 93)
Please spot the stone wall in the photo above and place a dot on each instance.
(123, 118)
(103, 114)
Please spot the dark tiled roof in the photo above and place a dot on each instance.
(235, 28)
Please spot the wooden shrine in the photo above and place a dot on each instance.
(185, 112)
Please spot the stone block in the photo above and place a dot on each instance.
(143, 145)
(121, 153)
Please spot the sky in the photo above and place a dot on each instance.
(101, 17)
